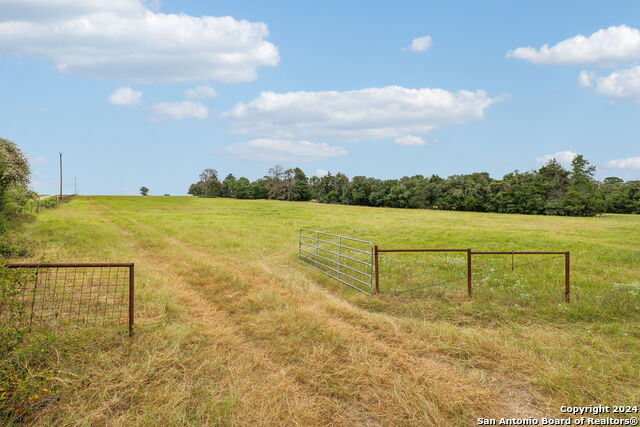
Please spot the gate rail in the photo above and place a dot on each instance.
(337, 257)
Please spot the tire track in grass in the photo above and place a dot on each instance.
(276, 387)
(395, 371)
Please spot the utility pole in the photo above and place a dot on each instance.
(60, 175)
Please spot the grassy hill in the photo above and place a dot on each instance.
(232, 329)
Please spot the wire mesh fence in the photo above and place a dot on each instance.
(86, 294)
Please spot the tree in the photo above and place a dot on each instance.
(242, 188)
(144, 191)
(198, 189)
(15, 175)
(275, 183)
(212, 185)
(208, 186)
(297, 185)
(582, 197)
(227, 189)
(258, 189)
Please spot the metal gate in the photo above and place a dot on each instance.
(343, 258)
(62, 294)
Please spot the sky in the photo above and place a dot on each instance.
(149, 93)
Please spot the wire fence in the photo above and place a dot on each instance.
(446, 268)
(501, 271)
(38, 205)
(60, 295)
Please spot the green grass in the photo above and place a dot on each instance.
(241, 332)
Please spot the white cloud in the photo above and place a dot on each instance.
(282, 150)
(628, 163)
(613, 45)
(563, 157)
(125, 97)
(410, 140)
(321, 172)
(123, 39)
(586, 78)
(374, 113)
(420, 44)
(201, 92)
(623, 84)
(181, 110)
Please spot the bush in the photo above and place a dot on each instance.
(27, 360)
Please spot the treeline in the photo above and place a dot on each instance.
(550, 190)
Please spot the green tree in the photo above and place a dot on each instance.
(144, 191)
(582, 197)
(207, 186)
(275, 181)
(227, 188)
(15, 175)
(242, 188)
(296, 186)
(258, 189)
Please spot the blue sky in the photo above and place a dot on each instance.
(329, 86)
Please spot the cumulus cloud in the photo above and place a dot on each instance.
(408, 140)
(124, 39)
(321, 172)
(610, 46)
(181, 110)
(628, 163)
(201, 92)
(563, 157)
(126, 97)
(420, 44)
(586, 78)
(374, 113)
(623, 84)
(282, 150)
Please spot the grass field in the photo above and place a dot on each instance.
(232, 329)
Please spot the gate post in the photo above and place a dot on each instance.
(375, 261)
(469, 274)
(131, 298)
(567, 276)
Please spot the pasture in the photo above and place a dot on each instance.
(232, 329)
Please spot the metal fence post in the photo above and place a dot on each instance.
(371, 272)
(339, 256)
(567, 276)
(131, 299)
(376, 267)
(469, 273)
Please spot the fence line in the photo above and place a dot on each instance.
(36, 206)
(329, 265)
(470, 254)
